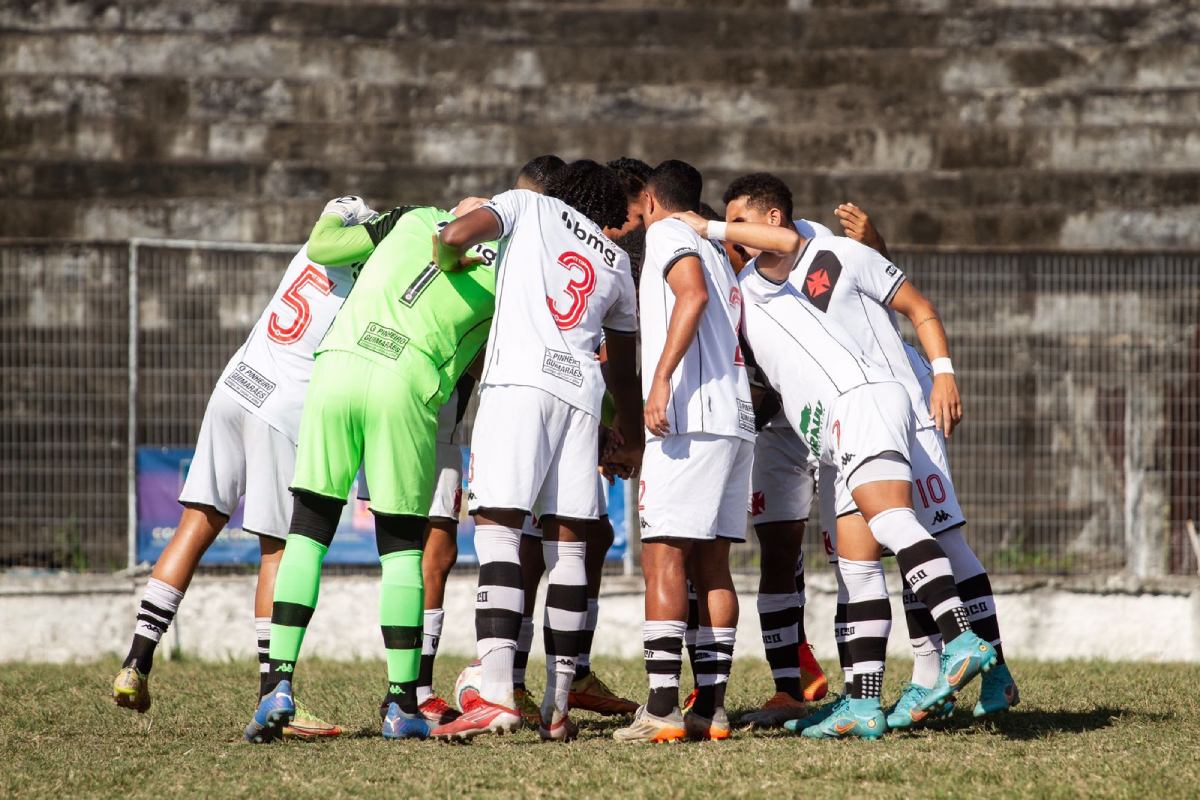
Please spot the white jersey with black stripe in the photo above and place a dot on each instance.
(853, 284)
(806, 356)
(710, 391)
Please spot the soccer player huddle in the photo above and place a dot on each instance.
(749, 360)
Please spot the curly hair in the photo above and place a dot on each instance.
(591, 189)
(633, 174)
(764, 192)
(539, 170)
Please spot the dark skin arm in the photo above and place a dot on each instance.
(686, 280)
(858, 227)
(461, 235)
(622, 379)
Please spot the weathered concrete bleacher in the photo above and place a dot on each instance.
(1037, 123)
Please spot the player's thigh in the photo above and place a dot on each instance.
(933, 497)
(870, 421)
(400, 441)
(683, 485)
(270, 464)
(330, 449)
(731, 514)
(446, 503)
(217, 474)
(782, 483)
(511, 447)
(570, 490)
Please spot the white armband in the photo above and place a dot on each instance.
(716, 230)
(942, 366)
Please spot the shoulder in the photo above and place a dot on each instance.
(810, 229)
(674, 233)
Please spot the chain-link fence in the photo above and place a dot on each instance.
(1080, 451)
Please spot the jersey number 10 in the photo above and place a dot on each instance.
(294, 332)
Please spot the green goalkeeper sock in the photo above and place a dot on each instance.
(297, 585)
(401, 613)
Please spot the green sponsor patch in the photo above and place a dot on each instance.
(384, 341)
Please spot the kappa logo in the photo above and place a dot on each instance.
(772, 638)
(846, 459)
(822, 278)
(940, 517)
(285, 668)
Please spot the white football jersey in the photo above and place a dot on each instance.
(710, 391)
(807, 357)
(457, 416)
(809, 229)
(854, 284)
(559, 283)
(269, 373)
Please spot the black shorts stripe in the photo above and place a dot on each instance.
(294, 615)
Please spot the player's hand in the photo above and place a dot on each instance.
(450, 259)
(352, 209)
(655, 412)
(467, 205)
(857, 225)
(945, 406)
(696, 222)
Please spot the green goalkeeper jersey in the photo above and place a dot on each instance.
(403, 301)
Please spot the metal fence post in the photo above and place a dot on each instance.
(132, 418)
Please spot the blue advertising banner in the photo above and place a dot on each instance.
(160, 475)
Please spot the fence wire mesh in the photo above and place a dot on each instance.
(1080, 451)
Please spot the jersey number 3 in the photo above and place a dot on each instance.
(294, 332)
(579, 290)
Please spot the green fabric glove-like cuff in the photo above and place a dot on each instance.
(448, 258)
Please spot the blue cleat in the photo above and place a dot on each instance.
(906, 712)
(273, 714)
(858, 719)
(997, 692)
(836, 705)
(399, 725)
(963, 660)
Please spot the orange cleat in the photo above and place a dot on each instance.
(812, 677)
(776, 711)
(589, 693)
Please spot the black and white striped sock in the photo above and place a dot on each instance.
(801, 600)
(714, 662)
(583, 664)
(498, 606)
(262, 630)
(974, 587)
(868, 624)
(524, 645)
(159, 603)
(779, 615)
(840, 630)
(663, 643)
(565, 617)
(693, 625)
(925, 639)
(431, 635)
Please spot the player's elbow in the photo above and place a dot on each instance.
(454, 235)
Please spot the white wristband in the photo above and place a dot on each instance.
(716, 230)
(942, 366)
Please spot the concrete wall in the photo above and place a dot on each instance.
(1038, 123)
(79, 619)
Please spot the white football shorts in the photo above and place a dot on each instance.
(532, 451)
(238, 454)
(782, 481)
(694, 486)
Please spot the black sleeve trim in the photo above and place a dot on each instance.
(618, 331)
(895, 288)
(676, 258)
(499, 221)
(382, 225)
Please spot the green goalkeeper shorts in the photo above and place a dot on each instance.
(358, 412)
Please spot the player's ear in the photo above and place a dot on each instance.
(775, 216)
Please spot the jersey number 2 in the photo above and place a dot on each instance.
(294, 332)
(579, 290)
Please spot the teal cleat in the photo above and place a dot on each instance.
(906, 713)
(274, 712)
(859, 719)
(399, 725)
(997, 692)
(836, 705)
(963, 660)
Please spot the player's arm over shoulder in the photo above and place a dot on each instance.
(334, 241)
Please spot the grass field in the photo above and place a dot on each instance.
(1084, 729)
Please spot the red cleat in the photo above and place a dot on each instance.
(480, 716)
(437, 711)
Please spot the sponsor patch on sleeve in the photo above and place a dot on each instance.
(562, 365)
(250, 384)
(384, 341)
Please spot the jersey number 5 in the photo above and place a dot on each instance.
(579, 290)
(290, 334)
